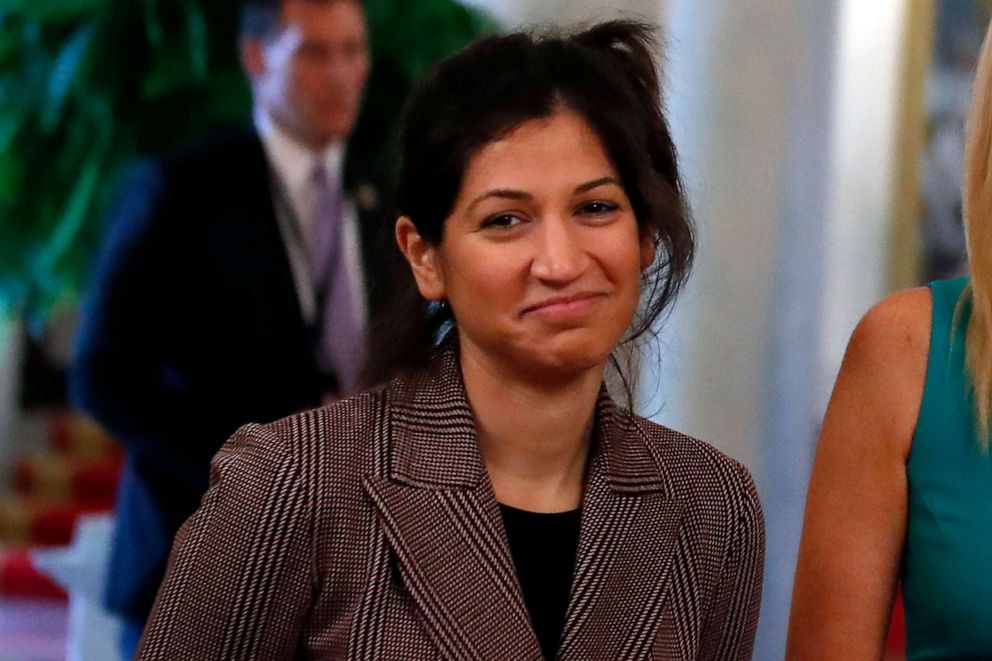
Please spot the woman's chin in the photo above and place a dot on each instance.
(557, 358)
(564, 363)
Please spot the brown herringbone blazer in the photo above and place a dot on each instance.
(368, 529)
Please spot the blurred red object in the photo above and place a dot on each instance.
(53, 525)
(895, 644)
(54, 478)
(20, 580)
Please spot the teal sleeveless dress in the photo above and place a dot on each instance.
(947, 559)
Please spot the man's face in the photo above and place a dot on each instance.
(310, 75)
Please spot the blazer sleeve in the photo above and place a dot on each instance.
(730, 629)
(241, 576)
(130, 368)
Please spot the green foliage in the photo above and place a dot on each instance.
(86, 85)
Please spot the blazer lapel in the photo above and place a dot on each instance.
(626, 545)
(437, 509)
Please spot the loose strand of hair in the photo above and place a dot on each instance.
(977, 208)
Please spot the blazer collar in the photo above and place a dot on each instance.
(434, 441)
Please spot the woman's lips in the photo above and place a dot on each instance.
(562, 309)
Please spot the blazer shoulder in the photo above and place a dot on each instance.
(338, 441)
(696, 469)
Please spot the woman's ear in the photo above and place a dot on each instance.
(423, 259)
(648, 248)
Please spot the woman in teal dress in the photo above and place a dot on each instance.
(901, 490)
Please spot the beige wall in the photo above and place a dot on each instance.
(732, 67)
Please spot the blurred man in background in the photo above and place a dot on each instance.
(237, 282)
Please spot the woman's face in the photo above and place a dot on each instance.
(541, 255)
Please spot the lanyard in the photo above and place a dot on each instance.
(300, 260)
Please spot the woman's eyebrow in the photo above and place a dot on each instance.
(513, 194)
(596, 183)
(502, 193)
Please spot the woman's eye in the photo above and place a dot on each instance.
(501, 220)
(598, 208)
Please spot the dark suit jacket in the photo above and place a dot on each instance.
(369, 530)
(167, 358)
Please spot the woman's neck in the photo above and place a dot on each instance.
(534, 437)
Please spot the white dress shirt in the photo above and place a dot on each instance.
(292, 165)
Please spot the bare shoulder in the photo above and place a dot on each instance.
(896, 330)
(881, 380)
(855, 521)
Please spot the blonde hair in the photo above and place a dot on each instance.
(977, 207)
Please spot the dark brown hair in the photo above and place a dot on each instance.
(607, 75)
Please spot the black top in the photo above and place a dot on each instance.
(543, 548)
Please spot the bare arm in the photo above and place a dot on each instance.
(856, 507)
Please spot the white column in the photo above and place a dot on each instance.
(871, 42)
(731, 78)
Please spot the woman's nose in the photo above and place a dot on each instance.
(559, 256)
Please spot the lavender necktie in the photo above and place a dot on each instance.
(340, 336)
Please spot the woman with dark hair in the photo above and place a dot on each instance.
(490, 501)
